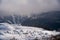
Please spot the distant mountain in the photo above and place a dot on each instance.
(12, 19)
(47, 20)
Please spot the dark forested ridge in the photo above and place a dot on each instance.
(47, 20)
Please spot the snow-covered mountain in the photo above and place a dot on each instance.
(19, 32)
(47, 20)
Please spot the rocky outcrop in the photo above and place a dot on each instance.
(57, 37)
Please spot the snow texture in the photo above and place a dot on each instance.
(10, 31)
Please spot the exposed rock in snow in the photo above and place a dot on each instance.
(11, 31)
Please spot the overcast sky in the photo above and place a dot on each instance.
(27, 7)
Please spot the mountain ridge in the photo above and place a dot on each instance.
(48, 20)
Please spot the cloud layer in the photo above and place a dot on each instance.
(27, 7)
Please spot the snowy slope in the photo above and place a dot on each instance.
(9, 31)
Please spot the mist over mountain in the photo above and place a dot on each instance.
(48, 20)
(28, 7)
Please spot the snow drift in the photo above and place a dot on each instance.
(23, 32)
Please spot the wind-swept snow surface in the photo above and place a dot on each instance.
(11, 31)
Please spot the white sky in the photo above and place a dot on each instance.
(27, 7)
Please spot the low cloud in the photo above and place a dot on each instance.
(28, 7)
